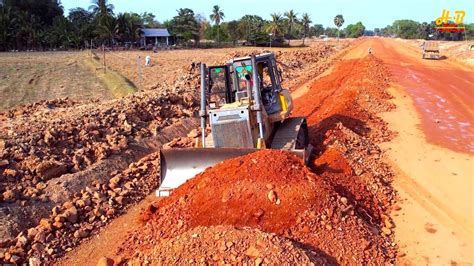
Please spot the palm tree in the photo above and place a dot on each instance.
(276, 25)
(103, 12)
(306, 20)
(291, 18)
(128, 26)
(185, 26)
(106, 29)
(338, 21)
(217, 16)
(101, 8)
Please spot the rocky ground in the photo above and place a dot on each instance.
(263, 208)
(52, 150)
(343, 211)
(227, 244)
(340, 207)
(271, 191)
(62, 161)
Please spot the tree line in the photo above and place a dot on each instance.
(41, 24)
(410, 29)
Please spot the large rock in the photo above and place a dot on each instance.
(9, 196)
(4, 163)
(71, 214)
(51, 169)
(81, 233)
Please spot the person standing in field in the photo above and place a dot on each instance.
(147, 61)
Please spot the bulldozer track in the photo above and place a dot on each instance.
(286, 136)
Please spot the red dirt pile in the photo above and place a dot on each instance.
(227, 244)
(268, 190)
(352, 94)
(351, 164)
(341, 109)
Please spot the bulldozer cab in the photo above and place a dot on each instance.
(244, 95)
(219, 90)
(230, 83)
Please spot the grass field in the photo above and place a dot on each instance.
(31, 77)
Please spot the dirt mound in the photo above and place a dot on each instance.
(246, 192)
(180, 68)
(38, 144)
(268, 190)
(28, 109)
(89, 210)
(352, 95)
(227, 244)
(351, 164)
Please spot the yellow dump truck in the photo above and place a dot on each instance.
(430, 50)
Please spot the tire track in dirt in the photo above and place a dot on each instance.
(432, 204)
(433, 180)
(441, 90)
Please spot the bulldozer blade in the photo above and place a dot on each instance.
(179, 165)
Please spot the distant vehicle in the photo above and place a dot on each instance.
(322, 36)
(430, 50)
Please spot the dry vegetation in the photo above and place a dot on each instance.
(31, 77)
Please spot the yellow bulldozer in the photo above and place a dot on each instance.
(247, 109)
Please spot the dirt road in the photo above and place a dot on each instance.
(441, 89)
(432, 153)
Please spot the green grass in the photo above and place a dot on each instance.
(118, 85)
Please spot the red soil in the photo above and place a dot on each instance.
(226, 244)
(338, 213)
(351, 95)
(271, 191)
(239, 190)
(442, 92)
(332, 161)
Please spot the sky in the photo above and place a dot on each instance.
(372, 13)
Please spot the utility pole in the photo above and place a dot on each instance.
(139, 70)
(105, 65)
